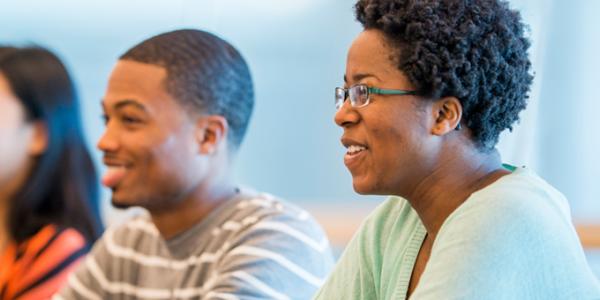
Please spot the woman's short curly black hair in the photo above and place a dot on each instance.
(474, 50)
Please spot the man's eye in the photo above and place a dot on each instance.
(130, 120)
(104, 118)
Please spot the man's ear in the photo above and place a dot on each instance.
(211, 132)
(447, 114)
(39, 138)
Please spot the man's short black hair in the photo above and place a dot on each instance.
(474, 50)
(204, 73)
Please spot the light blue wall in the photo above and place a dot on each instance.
(296, 50)
(570, 102)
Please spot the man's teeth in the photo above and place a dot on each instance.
(355, 149)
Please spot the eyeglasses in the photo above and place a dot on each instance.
(359, 94)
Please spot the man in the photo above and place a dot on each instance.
(177, 107)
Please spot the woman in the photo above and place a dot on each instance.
(48, 184)
(429, 86)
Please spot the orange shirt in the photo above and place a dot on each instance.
(38, 267)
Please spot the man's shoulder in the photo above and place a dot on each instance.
(273, 241)
(132, 231)
(253, 207)
(269, 222)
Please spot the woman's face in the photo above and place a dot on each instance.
(388, 141)
(16, 135)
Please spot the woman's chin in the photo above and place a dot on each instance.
(364, 188)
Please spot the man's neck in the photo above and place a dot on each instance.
(451, 184)
(191, 210)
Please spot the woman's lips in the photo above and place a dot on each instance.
(354, 154)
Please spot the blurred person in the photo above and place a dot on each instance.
(48, 184)
(428, 87)
(177, 107)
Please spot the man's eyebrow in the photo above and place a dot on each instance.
(126, 102)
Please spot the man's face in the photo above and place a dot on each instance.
(388, 136)
(149, 142)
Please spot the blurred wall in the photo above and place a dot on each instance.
(296, 50)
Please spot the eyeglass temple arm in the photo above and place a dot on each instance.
(374, 90)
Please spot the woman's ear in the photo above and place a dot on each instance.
(211, 132)
(448, 113)
(39, 138)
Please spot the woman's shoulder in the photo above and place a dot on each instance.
(520, 198)
(519, 210)
(51, 239)
(42, 262)
(509, 234)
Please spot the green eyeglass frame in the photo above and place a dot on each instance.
(359, 94)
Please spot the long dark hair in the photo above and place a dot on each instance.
(61, 187)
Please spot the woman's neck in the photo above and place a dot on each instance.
(4, 232)
(8, 190)
(451, 184)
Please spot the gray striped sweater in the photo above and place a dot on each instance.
(252, 247)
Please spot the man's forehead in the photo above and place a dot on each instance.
(129, 74)
(127, 66)
(138, 83)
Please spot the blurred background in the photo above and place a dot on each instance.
(296, 50)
